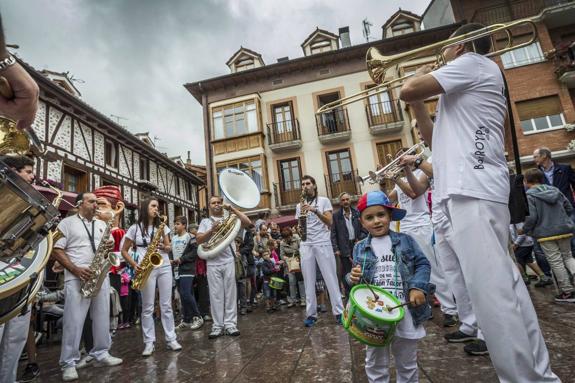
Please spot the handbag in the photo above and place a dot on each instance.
(293, 264)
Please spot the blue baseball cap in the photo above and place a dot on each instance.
(375, 198)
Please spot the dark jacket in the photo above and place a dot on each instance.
(247, 247)
(563, 179)
(188, 260)
(340, 235)
(415, 269)
(549, 212)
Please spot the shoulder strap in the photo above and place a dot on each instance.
(512, 126)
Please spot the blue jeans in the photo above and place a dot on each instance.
(541, 260)
(189, 305)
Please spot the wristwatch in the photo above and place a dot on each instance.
(418, 162)
(7, 62)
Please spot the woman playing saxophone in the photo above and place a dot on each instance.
(139, 240)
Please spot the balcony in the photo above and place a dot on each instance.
(563, 56)
(333, 126)
(338, 183)
(284, 136)
(384, 117)
(514, 10)
(286, 199)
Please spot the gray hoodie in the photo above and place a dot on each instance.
(549, 212)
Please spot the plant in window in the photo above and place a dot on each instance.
(571, 146)
(569, 127)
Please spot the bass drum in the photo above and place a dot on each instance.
(21, 278)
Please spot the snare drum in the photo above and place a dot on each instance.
(368, 320)
(277, 283)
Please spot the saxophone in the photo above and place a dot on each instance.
(151, 260)
(302, 219)
(100, 266)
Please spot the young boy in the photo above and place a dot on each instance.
(523, 251)
(377, 254)
(185, 252)
(268, 270)
(549, 223)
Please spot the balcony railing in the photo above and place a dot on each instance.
(338, 183)
(513, 10)
(384, 116)
(287, 197)
(332, 122)
(283, 132)
(563, 56)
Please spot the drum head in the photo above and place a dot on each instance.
(376, 310)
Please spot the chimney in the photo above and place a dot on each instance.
(189, 160)
(344, 37)
(283, 59)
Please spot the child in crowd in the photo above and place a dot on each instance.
(523, 251)
(268, 267)
(550, 224)
(381, 251)
(320, 292)
(125, 298)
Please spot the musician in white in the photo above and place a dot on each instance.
(472, 189)
(317, 249)
(138, 237)
(13, 334)
(75, 252)
(221, 271)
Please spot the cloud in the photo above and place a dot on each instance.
(133, 56)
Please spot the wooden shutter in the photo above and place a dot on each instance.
(539, 107)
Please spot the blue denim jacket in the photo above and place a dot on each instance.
(414, 269)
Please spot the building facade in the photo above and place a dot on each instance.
(86, 150)
(262, 118)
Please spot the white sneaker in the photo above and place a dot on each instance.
(69, 374)
(148, 349)
(86, 361)
(184, 326)
(174, 345)
(197, 323)
(108, 361)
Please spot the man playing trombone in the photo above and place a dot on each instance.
(472, 189)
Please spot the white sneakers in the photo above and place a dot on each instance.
(108, 361)
(69, 374)
(197, 322)
(183, 326)
(174, 345)
(148, 349)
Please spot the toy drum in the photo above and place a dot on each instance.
(370, 321)
(276, 283)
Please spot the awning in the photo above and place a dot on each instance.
(69, 199)
(284, 220)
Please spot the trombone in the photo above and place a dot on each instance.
(378, 64)
(394, 168)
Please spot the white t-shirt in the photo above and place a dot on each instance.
(468, 136)
(76, 241)
(417, 211)
(318, 233)
(135, 234)
(227, 255)
(179, 243)
(387, 276)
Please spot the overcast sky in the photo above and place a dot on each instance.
(132, 57)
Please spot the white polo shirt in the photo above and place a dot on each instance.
(468, 136)
(76, 241)
(226, 256)
(318, 233)
(135, 234)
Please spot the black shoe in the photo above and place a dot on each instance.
(450, 320)
(565, 298)
(478, 347)
(30, 373)
(458, 337)
(543, 281)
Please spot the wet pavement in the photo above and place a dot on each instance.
(278, 348)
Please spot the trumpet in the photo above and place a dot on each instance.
(394, 168)
(378, 64)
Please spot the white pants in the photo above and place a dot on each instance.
(161, 277)
(325, 258)
(405, 354)
(477, 232)
(13, 335)
(423, 236)
(223, 295)
(75, 310)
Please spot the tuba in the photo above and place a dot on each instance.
(151, 260)
(239, 189)
(100, 266)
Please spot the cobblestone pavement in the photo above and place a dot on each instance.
(277, 348)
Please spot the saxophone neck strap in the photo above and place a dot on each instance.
(90, 236)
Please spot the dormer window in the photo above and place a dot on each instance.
(320, 41)
(401, 23)
(320, 46)
(244, 59)
(402, 28)
(247, 63)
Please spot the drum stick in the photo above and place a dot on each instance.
(375, 296)
(396, 307)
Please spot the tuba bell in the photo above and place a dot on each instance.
(239, 189)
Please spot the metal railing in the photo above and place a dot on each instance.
(283, 131)
(335, 121)
(381, 113)
(338, 183)
(288, 194)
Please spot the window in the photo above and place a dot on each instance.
(283, 118)
(540, 114)
(75, 180)
(333, 121)
(341, 175)
(402, 28)
(177, 182)
(144, 169)
(244, 64)
(319, 46)
(523, 56)
(290, 181)
(383, 149)
(235, 120)
(381, 109)
(111, 153)
(252, 166)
